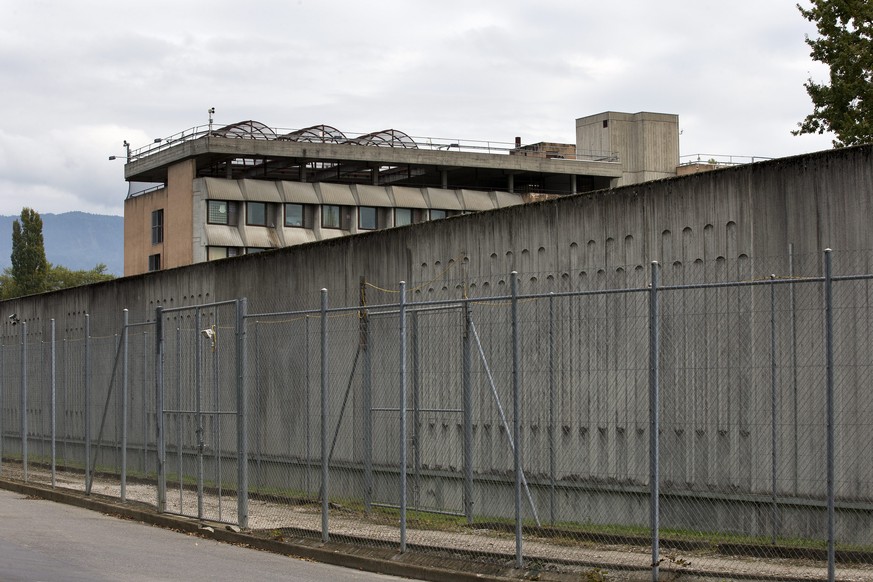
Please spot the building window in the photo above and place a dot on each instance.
(294, 215)
(255, 250)
(221, 212)
(367, 218)
(330, 216)
(402, 216)
(155, 262)
(256, 213)
(215, 253)
(158, 226)
(436, 214)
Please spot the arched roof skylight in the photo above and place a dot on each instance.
(246, 130)
(391, 138)
(316, 134)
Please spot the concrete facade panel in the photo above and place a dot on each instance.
(336, 194)
(408, 197)
(260, 190)
(179, 216)
(444, 199)
(218, 189)
(475, 201)
(137, 230)
(373, 196)
(223, 236)
(299, 192)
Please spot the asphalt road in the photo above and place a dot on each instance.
(44, 541)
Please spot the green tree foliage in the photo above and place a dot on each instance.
(62, 278)
(31, 272)
(29, 265)
(845, 44)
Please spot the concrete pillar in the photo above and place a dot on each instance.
(510, 183)
(375, 171)
(444, 179)
(573, 184)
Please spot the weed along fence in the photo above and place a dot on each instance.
(666, 423)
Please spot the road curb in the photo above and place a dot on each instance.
(382, 561)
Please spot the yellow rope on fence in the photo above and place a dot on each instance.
(452, 262)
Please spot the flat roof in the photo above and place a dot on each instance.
(278, 159)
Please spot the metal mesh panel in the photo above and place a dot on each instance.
(199, 372)
(853, 409)
(396, 420)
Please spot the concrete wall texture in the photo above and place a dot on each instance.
(733, 224)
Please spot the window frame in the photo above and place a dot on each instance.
(155, 262)
(375, 222)
(231, 212)
(411, 216)
(302, 215)
(339, 216)
(266, 214)
(157, 226)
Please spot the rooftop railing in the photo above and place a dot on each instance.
(423, 143)
(719, 159)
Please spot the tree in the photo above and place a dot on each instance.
(29, 265)
(63, 278)
(845, 44)
(30, 271)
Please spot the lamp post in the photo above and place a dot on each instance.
(126, 146)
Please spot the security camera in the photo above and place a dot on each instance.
(208, 333)
(14, 319)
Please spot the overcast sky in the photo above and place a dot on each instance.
(79, 77)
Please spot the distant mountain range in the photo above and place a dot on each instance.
(76, 240)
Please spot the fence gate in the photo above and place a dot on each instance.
(201, 428)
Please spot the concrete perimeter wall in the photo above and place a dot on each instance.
(726, 225)
(751, 212)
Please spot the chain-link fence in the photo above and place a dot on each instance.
(711, 424)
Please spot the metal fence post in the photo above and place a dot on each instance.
(143, 409)
(773, 411)
(125, 378)
(829, 357)
(54, 405)
(308, 423)
(795, 412)
(516, 419)
(367, 402)
(159, 408)
(259, 429)
(198, 397)
(179, 432)
(325, 473)
(88, 404)
(64, 387)
(216, 414)
(468, 416)
(23, 334)
(403, 416)
(416, 420)
(552, 408)
(654, 419)
(241, 417)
